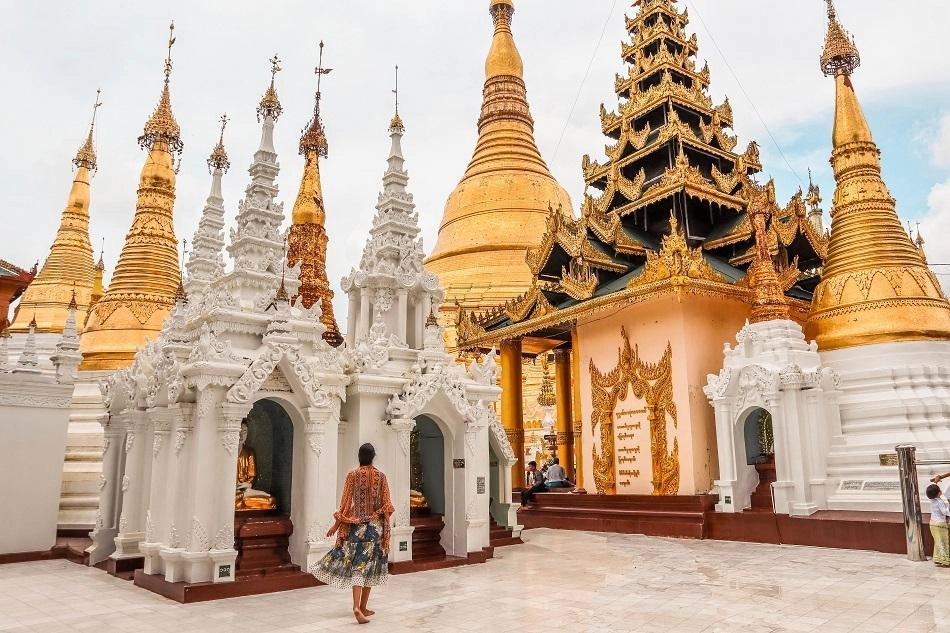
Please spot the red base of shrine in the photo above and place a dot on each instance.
(694, 517)
(244, 586)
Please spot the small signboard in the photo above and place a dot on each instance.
(224, 571)
(458, 463)
(479, 485)
(403, 546)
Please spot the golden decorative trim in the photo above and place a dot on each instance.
(653, 383)
(674, 261)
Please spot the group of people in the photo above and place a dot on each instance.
(554, 476)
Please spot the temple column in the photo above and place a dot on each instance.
(564, 426)
(577, 419)
(363, 331)
(318, 487)
(107, 517)
(401, 538)
(352, 317)
(401, 314)
(155, 508)
(138, 467)
(512, 403)
(178, 495)
(222, 552)
(207, 484)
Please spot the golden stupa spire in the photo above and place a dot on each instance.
(500, 207)
(68, 267)
(219, 156)
(875, 285)
(147, 276)
(307, 242)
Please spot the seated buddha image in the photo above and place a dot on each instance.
(246, 497)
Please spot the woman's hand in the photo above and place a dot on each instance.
(937, 479)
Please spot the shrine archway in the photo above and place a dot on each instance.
(268, 450)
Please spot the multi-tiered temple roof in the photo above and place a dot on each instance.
(672, 178)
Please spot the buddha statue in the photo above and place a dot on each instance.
(246, 497)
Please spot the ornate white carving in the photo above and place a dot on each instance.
(199, 537)
(230, 441)
(125, 483)
(129, 441)
(180, 436)
(156, 444)
(224, 539)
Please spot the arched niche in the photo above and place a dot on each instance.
(270, 435)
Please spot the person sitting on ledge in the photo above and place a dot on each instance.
(535, 480)
(555, 477)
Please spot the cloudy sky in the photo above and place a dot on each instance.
(763, 55)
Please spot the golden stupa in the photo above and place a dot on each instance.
(147, 276)
(876, 286)
(500, 207)
(307, 242)
(67, 273)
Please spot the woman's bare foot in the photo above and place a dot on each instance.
(360, 618)
(368, 613)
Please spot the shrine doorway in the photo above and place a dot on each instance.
(428, 476)
(262, 523)
(759, 444)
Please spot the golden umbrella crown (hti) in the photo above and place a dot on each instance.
(875, 285)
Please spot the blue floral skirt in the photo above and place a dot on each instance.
(359, 562)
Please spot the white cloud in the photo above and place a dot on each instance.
(934, 227)
(940, 142)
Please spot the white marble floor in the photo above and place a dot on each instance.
(557, 582)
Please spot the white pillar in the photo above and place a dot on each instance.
(155, 509)
(314, 487)
(401, 537)
(206, 488)
(363, 331)
(476, 486)
(728, 468)
(352, 316)
(135, 485)
(402, 314)
(179, 497)
(107, 517)
(222, 550)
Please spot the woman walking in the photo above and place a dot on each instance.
(360, 558)
(939, 521)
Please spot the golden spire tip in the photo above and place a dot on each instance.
(270, 104)
(840, 55)
(396, 124)
(219, 157)
(162, 125)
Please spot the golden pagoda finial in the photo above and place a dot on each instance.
(840, 55)
(431, 319)
(396, 124)
(101, 265)
(86, 155)
(313, 137)
(73, 305)
(270, 104)
(219, 157)
(503, 60)
(162, 125)
(875, 285)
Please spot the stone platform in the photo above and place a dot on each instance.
(693, 517)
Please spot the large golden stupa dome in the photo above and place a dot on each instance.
(499, 208)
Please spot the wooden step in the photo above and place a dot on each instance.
(426, 536)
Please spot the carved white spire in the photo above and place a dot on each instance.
(257, 244)
(391, 294)
(67, 357)
(206, 260)
(28, 361)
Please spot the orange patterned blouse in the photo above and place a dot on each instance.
(365, 498)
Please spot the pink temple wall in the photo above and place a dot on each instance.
(696, 328)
